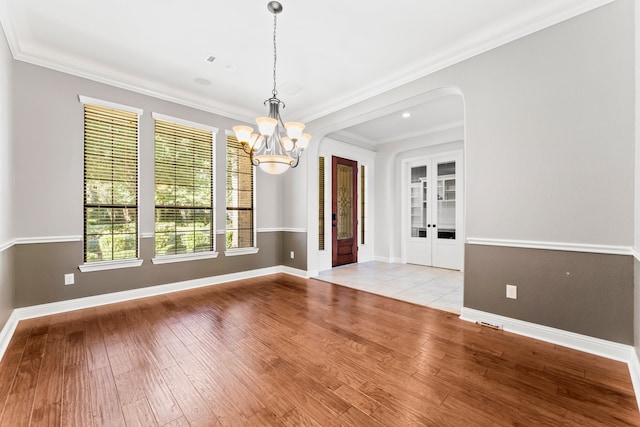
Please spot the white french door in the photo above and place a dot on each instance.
(433, 235)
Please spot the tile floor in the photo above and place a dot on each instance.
(433, 287)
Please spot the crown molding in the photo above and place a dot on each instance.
(482, 42)
(475, 45)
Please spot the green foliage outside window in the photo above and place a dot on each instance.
(239, 197)
(110, 184)
(183, 189)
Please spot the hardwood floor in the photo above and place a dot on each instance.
(280, 350)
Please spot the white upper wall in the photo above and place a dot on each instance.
(48, 127)
(549, 133)
(637, 171)
(6, 164)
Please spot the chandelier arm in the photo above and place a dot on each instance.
(253, 160)
(295, 162)
(272, 156)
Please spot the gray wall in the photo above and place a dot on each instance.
(549, 127)
(55, 149)
(6, 182)
(296, 242)
(40, 268)
(48, 204)
(585, 293)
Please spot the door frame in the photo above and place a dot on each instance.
(335, 160)
(366, 158)
(405, 199)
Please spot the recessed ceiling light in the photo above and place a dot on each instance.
(406, 115)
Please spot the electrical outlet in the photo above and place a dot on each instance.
(292, 254)
(69, 279)
(512, 291)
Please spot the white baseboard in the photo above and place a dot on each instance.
(7, 332)
(634, 372)
(611, 350)
(296, 272)
(597, 346)
(23, 313)
(98, 300)
(389, 260)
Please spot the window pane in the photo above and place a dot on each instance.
(240, 196)
(183, 190)
(110, 183)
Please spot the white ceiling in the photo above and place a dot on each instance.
(331, 53)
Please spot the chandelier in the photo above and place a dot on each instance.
(277, 146)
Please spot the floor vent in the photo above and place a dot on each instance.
(490, 325)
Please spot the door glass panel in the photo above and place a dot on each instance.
(419, 201)
(447, 200)
(345, 202)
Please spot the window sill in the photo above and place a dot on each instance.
(240, 251)
(167, 259)
(109, 265)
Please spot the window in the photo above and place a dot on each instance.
(110, 181)
(240, 197)
(184, 215)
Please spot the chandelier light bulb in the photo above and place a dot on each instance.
(243, 133)
(303, 141)
(266, 125)
(287, 144)
(270, 148)
(294, 129)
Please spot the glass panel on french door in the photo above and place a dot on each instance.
(419, 201)
(447, 200)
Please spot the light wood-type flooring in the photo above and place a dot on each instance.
(280, 350)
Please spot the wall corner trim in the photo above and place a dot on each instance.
(636, 253)
(7, 245)
(47, 239)
(554, 246)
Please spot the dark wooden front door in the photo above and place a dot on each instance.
(344, 215)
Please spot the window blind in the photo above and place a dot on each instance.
(183, 189)
(321, 203)
(362, 204)
(110, 184)
(240, 197)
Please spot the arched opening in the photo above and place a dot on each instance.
(386, 144)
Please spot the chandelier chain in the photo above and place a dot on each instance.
(275, 55)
